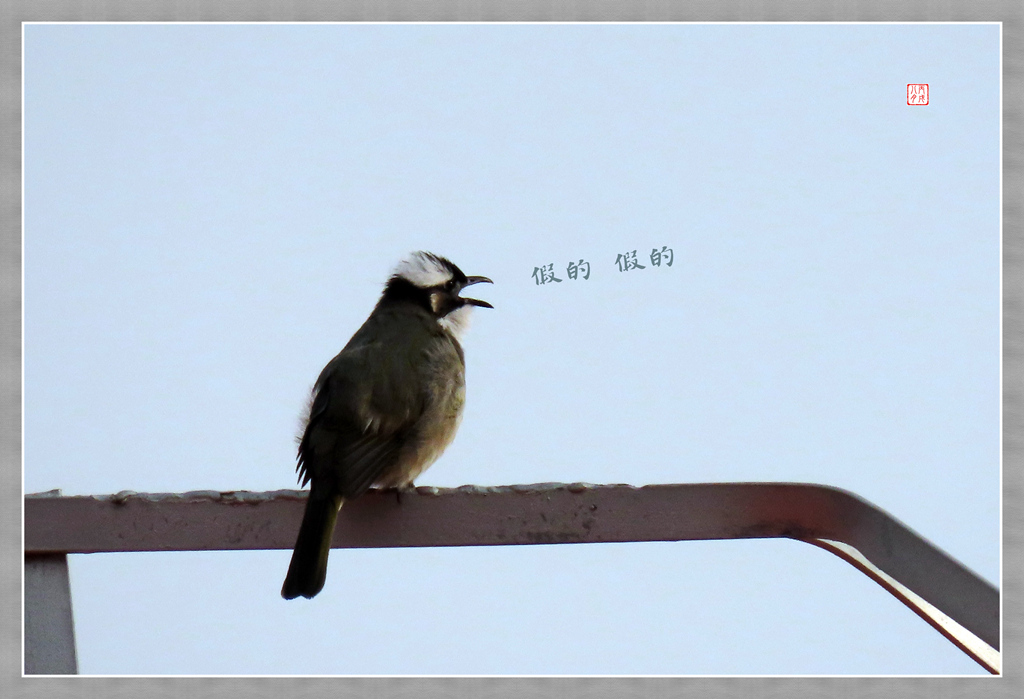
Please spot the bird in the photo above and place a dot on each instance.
(386, 407)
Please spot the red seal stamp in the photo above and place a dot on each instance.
(917, 95)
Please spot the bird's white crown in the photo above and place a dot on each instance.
(425, 269)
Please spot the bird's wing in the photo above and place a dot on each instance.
(356, 427)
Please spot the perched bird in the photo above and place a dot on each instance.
(386, 407)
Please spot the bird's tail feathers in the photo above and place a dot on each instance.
(308, 569)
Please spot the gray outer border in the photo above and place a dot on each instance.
(12, 13)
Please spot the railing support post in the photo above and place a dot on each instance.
(49, 625)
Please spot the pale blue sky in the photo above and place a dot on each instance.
(211, 211)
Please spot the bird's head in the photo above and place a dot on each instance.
(436, 283)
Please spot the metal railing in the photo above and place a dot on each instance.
(954, 600)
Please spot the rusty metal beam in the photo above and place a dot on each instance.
(957, 602)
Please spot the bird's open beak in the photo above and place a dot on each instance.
(470, 281)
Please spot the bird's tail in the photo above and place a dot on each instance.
(308, 569)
